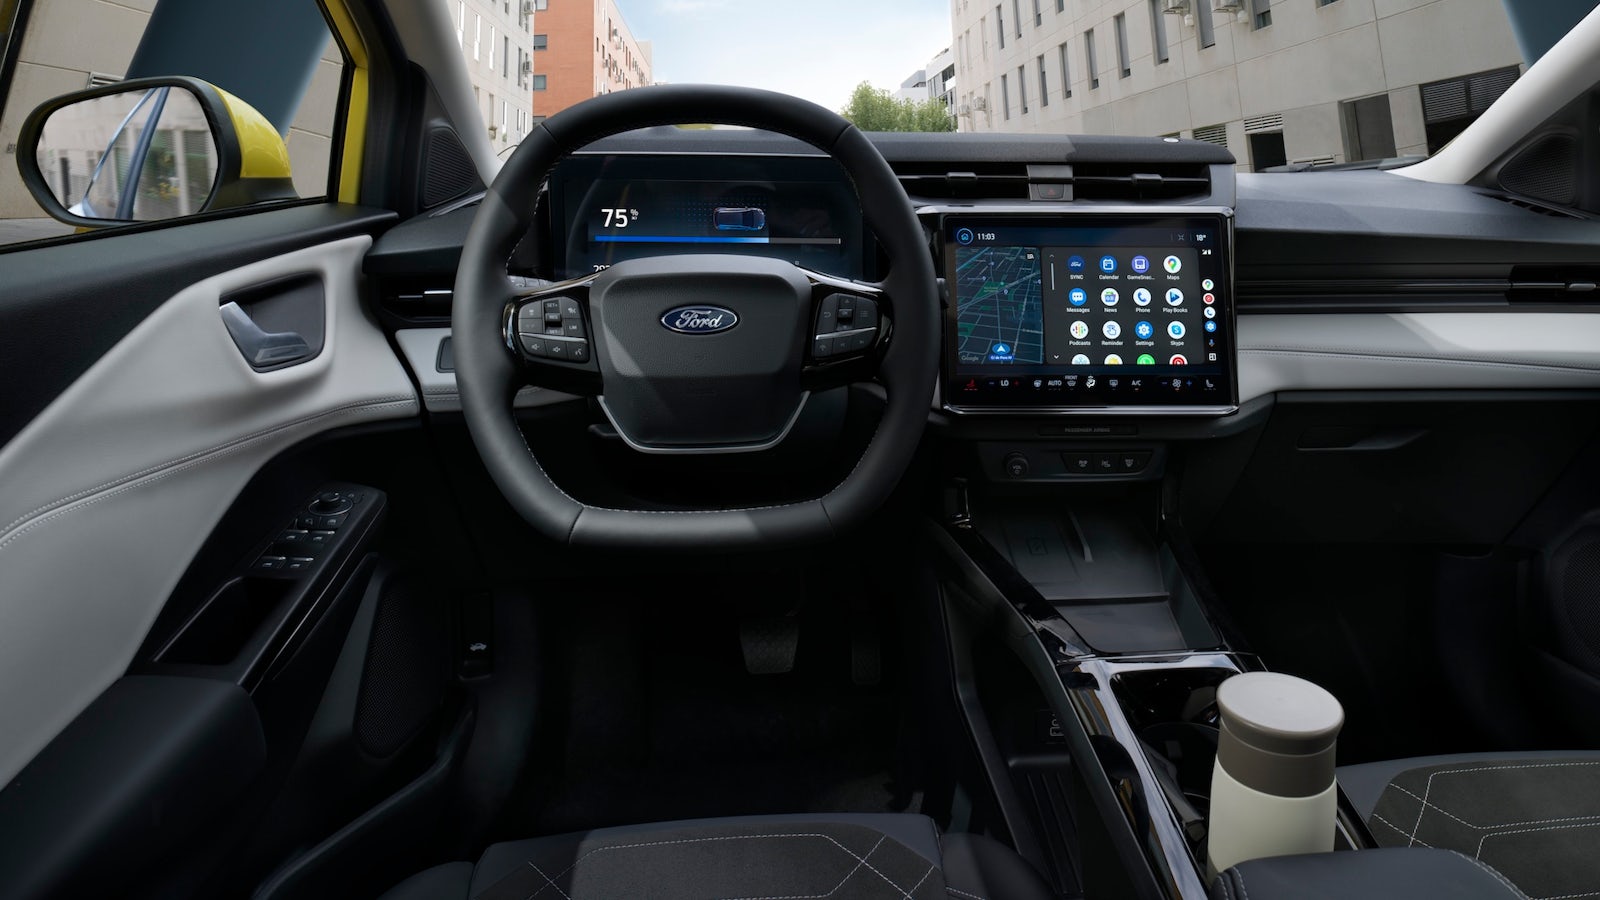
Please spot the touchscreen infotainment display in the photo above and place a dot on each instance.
(1096, 311)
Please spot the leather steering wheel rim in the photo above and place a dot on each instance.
(488, 375)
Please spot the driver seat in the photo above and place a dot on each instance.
(837, 856)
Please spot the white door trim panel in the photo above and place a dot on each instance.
(107, 495)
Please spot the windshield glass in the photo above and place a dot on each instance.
(1283, 84)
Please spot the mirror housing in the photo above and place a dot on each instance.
(189, 146)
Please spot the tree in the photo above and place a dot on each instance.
(875, 109)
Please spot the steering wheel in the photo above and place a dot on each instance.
(696, 354)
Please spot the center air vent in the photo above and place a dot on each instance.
(1080, 181)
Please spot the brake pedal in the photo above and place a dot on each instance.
(769, 643)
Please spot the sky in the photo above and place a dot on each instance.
(816, 49)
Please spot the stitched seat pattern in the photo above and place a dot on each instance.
(1537, 822)
(773, 862)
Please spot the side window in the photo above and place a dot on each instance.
(134, 156)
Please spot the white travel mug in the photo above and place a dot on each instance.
(1273, 791)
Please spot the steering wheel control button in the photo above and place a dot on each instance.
(578, 351)
(556, 349)
(822, 347)
(533, 345)
(866, 313)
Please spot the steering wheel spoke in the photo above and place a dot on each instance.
(849, 330)
(550, 332)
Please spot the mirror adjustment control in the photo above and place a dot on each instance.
(330, 503)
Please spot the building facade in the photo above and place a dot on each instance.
(1273, 80)
(497, 42)
(934, 81)
(582, 49)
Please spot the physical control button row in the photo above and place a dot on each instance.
(1115, 462)
(556, 347)
(845, 324)
(557, 317)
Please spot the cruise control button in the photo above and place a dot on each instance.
(572, 326)
(822, 347)
(578, 351)
(569, 309)
(552, 306)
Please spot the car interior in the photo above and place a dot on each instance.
(787, 511)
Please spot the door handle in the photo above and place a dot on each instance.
(262, 349)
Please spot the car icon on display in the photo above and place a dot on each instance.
(740, 218)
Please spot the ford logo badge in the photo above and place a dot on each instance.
(699, 319)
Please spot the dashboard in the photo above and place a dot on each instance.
(1050, 310)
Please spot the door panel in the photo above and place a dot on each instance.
(112, 489)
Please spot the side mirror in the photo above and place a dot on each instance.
(150, 149)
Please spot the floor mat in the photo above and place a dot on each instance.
(658, 718)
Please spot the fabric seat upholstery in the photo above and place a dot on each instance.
(842, 857)
(1532, 817)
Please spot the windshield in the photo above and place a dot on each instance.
(1283, 84)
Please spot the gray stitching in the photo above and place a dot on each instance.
(925, 876)
(1441, 810)
(183, 459)
(848, 875)
(1402, 831)
(222, 450)
(960, 893)
(547, 883)
(1530, 831)
(737, 837)
(1239, 877)
(1497, 875)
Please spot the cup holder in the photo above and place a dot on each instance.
(1173, 711)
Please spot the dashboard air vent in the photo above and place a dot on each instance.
(1081, 181)
(1139, 181)
(964, 181)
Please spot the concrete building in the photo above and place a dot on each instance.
(584, 48)
(941, 76)
(497, 42)
(1273, 80)
(914, 88)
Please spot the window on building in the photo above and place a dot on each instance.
(539, 82)
(1203, 24)
(541, 5)
(541, 42)
(1158, 31)
(1044, 84)
(461, 24)
(1263, 12)
(1066, 72)
(1061, 5)
(1450, 106)
(477, 36)
(505, 57)
(1022, 89)
(1368, 128)
(1016, 15)
(1005, 97)
(1266, 150)
(1326, 2)
(1094, 66)
(1038, 17)
(1000, 26)
(491, 48)
(1120, 26)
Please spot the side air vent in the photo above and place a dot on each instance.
(447, 170)
(1554, 212)
(964, 181)
(1546, 170)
